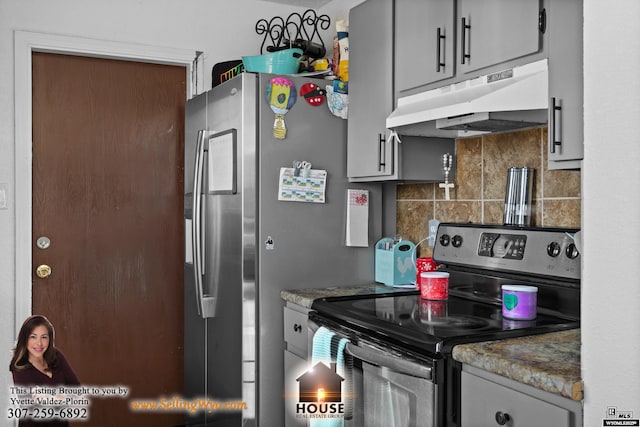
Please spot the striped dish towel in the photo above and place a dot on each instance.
(328, 348)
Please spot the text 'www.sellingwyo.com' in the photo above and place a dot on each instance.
(177, 404)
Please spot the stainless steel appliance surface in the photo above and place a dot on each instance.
(480, 259)
(243, 245)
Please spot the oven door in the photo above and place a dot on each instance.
(390, 387)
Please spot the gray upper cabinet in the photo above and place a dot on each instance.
(441, 42)
(565, 125)
(424, 42)
(454, 40)
(371, 154)
(495, 31)
(370, 93)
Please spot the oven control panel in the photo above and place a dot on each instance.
(539, 251)
(496, 245)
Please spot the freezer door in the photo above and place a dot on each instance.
(213, 275)
(214, 226)
(194, 324)
(223, 235)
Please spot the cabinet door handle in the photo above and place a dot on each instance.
(502, 418)
(297, 328)
(381, 153)
(542, 20)
(463, 40)
(440, 38)
(553, 110)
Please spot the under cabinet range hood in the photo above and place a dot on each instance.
(511, 99)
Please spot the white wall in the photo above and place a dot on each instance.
(222, 30)
(339, 9)
(611, 209)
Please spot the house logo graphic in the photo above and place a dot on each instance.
(320, 393)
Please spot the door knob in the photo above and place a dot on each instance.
(43, 271)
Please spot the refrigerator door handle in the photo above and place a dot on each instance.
(206, 304)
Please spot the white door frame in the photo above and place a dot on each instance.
(25, 43)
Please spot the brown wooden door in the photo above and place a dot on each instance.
(108, 139)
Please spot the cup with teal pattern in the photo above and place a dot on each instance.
(519, 302)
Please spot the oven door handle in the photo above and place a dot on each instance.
(376, 356)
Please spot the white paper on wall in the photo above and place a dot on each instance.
(357, 218)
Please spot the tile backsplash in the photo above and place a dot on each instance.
(478, 196)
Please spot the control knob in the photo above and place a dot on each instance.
(445, 239)
(572, 251)
(553, 249)
(456, 241)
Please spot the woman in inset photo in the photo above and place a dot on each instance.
(38, 362)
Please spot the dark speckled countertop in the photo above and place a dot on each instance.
(305, 297)
(550, 362)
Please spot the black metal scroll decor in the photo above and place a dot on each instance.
(281, 34)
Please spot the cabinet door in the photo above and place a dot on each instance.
(370, 89)
(424, 42)
(295, 331)
(294, 366)
(482, 401)
(494, 31)
(566, 136)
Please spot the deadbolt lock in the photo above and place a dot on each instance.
(43, 242)
(43, 271)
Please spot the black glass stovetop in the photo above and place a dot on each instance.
(431, 326)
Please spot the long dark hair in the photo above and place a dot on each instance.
(20, 358)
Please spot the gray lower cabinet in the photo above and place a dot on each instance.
(295, 358)
(489, 400)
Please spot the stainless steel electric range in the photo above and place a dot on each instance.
(400, 344)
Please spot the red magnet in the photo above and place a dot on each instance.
(313, 94)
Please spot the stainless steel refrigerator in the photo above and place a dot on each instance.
(244, 245)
